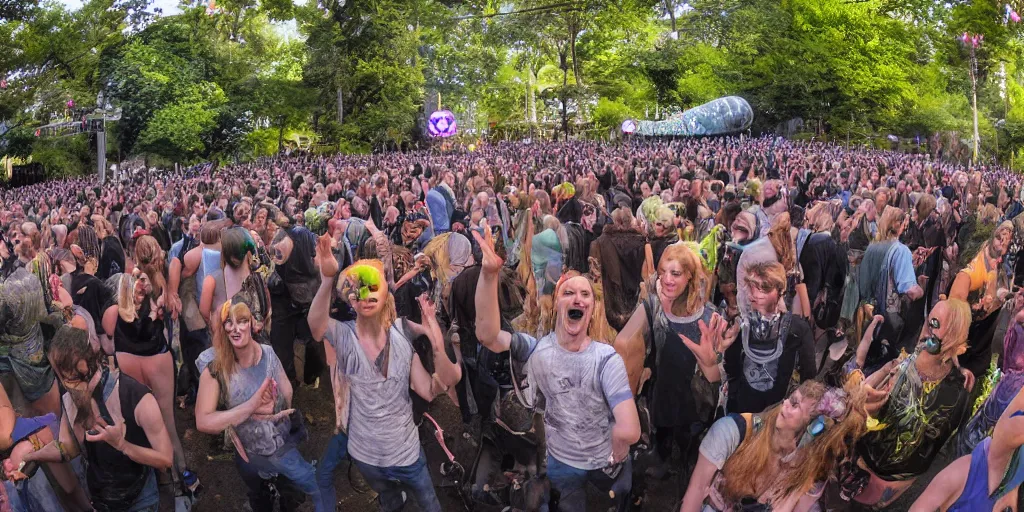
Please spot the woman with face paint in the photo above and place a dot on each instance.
(779, 459)
(916, 403)
(590, 417)
(243, 390)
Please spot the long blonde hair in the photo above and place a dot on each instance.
(889, 223)
(815, 461)
(150, 258)
(126, 298)
(782, 241)
(958, 324)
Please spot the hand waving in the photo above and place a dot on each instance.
(710, 340)
(491, 262)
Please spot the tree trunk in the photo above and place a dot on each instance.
(341, 109)
(280, 134)
(575, 65)
(533, 96)
(565, 102)
(671, 9)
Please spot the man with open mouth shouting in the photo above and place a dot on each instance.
(590, 417)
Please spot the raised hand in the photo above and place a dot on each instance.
(325, 257)
(427, 308)
(729, 335)
(491, 262)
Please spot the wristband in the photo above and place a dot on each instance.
(63, 454)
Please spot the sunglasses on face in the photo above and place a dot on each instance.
(760, 286)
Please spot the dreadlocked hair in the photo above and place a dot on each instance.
(69, 346)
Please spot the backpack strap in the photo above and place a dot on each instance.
(801, 240)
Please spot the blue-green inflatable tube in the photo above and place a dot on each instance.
(723, 116)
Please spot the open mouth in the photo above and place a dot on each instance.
(575, 314)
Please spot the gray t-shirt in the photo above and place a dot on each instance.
(721, 441)
(580, 389)
(381, 431)
(262, 437)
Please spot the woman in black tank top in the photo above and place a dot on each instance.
(140, 343)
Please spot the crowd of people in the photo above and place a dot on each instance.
(766, 324)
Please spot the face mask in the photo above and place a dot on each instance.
(932, 345)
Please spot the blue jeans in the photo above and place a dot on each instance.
(337, 450)
(149, 498)
(571, 484)
(389, 483)
(287, 463)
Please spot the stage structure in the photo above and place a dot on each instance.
(86, 122)
(723, 116)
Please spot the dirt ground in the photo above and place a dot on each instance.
(224, 491)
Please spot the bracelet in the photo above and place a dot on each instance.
(63, 454)
(36, 443)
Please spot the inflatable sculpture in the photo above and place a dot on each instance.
(723, 116)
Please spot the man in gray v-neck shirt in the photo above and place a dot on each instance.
(379, 431)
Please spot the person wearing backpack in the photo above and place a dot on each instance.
(779, 459)
(772, 344)
(665, 333)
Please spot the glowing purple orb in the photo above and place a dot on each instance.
(628, 126)
(442, 124)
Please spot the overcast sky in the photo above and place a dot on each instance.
(169, 6)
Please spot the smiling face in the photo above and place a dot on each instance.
(575, 305)
(239, 330)
(673, 278)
